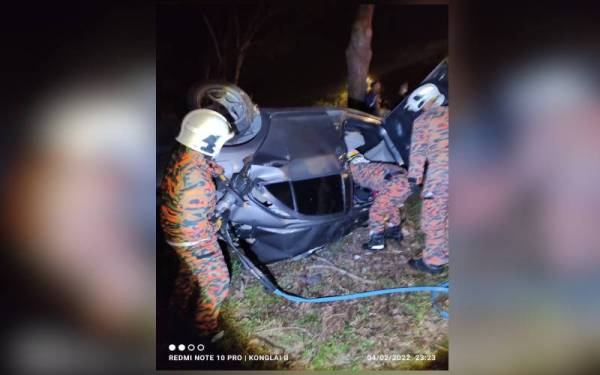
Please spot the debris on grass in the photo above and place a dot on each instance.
(350, 334)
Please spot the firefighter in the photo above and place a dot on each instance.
(389, 183)
(188, 205)
(429, 144)
(373, 99)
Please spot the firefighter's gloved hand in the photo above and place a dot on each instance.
(225, 203)
(217, 222)
(355, 157)
(216, 169)
(221, 182)
(414, 188)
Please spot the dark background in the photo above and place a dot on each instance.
(510, 322)
(301, 55)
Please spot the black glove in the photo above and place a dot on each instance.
(220, 183)
(414, 188)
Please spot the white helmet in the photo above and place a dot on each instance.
(422, 95)
(205, 131)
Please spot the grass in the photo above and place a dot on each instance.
(418, 306)
(412, 208)
(367, 344)
(339, 335)
(329, 351)
(236, 267)
(309, 320)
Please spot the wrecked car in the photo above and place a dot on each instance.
(290, 192)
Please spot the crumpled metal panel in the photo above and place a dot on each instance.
(301, 145)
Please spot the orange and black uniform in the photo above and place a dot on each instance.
(391, 187)
(188, 204)
(430, 144)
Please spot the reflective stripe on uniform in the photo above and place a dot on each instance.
(189, 243)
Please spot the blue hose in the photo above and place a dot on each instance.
(435, 290)
(443, 313)
(345, 297)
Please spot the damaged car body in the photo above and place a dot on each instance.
(290, 192)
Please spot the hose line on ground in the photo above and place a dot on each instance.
(270, 285)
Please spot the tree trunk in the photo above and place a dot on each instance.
(358, 56)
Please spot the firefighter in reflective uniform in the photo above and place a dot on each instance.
(429, 144)
(389, 183)
(188, 205)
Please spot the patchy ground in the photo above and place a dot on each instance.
(342, 335)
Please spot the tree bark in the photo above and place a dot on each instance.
(358, 56)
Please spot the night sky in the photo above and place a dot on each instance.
(301, 57)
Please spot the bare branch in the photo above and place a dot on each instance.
(271, 343)
(349, 274)
(283, 329)
(255, 22)
(214, 38)
(259, 18)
